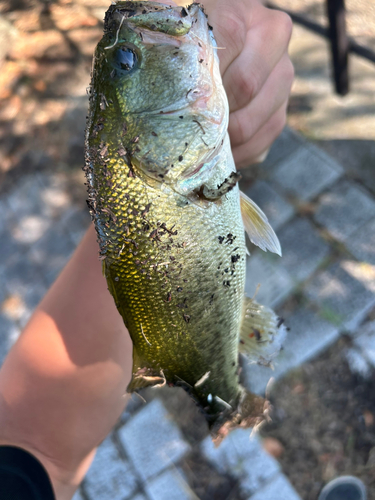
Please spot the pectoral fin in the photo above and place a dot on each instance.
(262, 332)
(257, 226)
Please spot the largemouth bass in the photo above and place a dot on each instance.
(170, 219)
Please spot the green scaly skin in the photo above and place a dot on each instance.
(174, 264)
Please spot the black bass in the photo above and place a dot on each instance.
(169, 216)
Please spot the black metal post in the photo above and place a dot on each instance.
(339, 44)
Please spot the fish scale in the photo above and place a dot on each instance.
(165, 202)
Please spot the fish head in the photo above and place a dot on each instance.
(158, 67)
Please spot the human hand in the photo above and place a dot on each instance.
(257, 72)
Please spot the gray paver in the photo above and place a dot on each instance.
(52, 252)
(358, 363)
(277, 209)
(275, 282)
(139, 496)
(9, 332)
(309, 334)
(361, 243)
(365, 341)
(76, 220)
(285, 145)
(109, 475)
(152, 440)
(78, 496)
(25, 199)
(344, 209)
(306, 173)
(344, 292)
(242, 455)
(278, 489)
(169, 486)
(303, 249)
(233, 450)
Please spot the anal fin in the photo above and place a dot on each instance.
(262, 332)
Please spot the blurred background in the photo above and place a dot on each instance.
(317, 187)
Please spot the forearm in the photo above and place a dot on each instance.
(63, 384)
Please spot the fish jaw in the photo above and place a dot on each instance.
(176, 118)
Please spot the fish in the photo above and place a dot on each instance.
(170, 218)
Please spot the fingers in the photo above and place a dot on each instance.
(246, 122)
(266, 44)
(259, 144)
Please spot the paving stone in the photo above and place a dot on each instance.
(344, 210)
(52, 252)
(365, 341)
(152, 440)
(139, 496)
(9, 332)
(242, 455)
(358, 363)
(345, 293)
(234, 449)
(361, 243)
(78, 496)
(25, 198)
(76, 220)
(24, 280)
(306, 172)
(278, 489)
(275, 282)
(169, 485)
(303, 249)
(277, 209)
(284, 146)
(109, 475)
(309, 335)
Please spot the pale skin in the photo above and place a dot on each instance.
(63, 384)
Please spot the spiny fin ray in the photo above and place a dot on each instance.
(257, 226)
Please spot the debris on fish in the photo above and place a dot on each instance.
(163, 194)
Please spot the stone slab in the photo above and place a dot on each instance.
(365, 341)
(234, 449)
(344, 209)
(152, 440)
(9, 332)
(275, 282)
(139, 496)
(169, 485)
(361, 243)
(76, 221)
(344, 292)
(278, 489)
(309, 335)
(277, 208)
(109, 475)
(306, 173)
(358, 363)
(52, 252)
(284, 146)
(242, 456)
(78, 496)
(303, 249)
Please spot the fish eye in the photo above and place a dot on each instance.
(125, 58)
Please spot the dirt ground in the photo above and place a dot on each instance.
(324, 418)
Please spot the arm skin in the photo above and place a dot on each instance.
(62, 386)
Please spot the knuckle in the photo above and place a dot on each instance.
(281, 27)
(247, 84)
